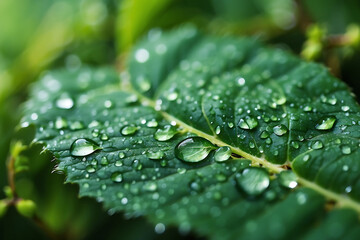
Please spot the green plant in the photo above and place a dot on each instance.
(216, 135)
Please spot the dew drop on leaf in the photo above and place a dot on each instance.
(217, 130)
(121, 155)
(129, 130)
(280, 130)
(90, 169)
(104, 161)
(317, 145)
(253, 181)
(222, 154)
(116, 177)
(193, 149)
(326, 123)
(195, 186)
(264, 134)
(152, 123)
(295, 144)
(61, 123)
(83, 147)
(64, 101)
(346, 149)
(288, 179)
(155, 155)
(165, 134)
(248, 123)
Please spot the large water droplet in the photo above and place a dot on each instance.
(222, 154)
(288, 179)
(253, 181)
(64, 101)
(248, 123)
(165, 134)
(129, 130)
(116, 177)
(280, 129)
(326, 123)
(83, 147)
(193, 149)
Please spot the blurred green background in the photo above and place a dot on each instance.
(38, 35)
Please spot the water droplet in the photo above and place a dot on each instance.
(143, 83)
(83, 147)
(306, 158)
(280, 100)
(348, 189)
(317, 145)
(90, 169)
(268, 141)
(248, 123)
(301, 198)
(165, 134)
(60, 123)
(108, 104)
(217, 130)
(160, 228)
(280, 129)
(195, 186)
(332, 101)
(150, 186)
(241, 81)
(193, 149)
(77, 125)
(220, 177)
(95, 132)
(152, 123)
(253, 181)
(326, 123)
(172, 96)
(345, 168)
(118, 163)
(129, 130)
(155, 155)
(346, 149)
(264, 134)
(288, 179)
(104, 137)
(307, 108)
(142, 55)
(295, 144)
(64, 101)
(116, 177)
(121, 155)
(231, 125)
(137, 165)
(222, 154)
(104, 161)
(345, 108)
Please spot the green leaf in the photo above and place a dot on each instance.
(124, 142)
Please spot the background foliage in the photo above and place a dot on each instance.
(58, 33)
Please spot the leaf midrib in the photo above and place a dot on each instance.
(340, 199)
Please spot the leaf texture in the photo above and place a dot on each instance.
(267, 106)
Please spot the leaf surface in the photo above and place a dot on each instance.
(266, 105)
